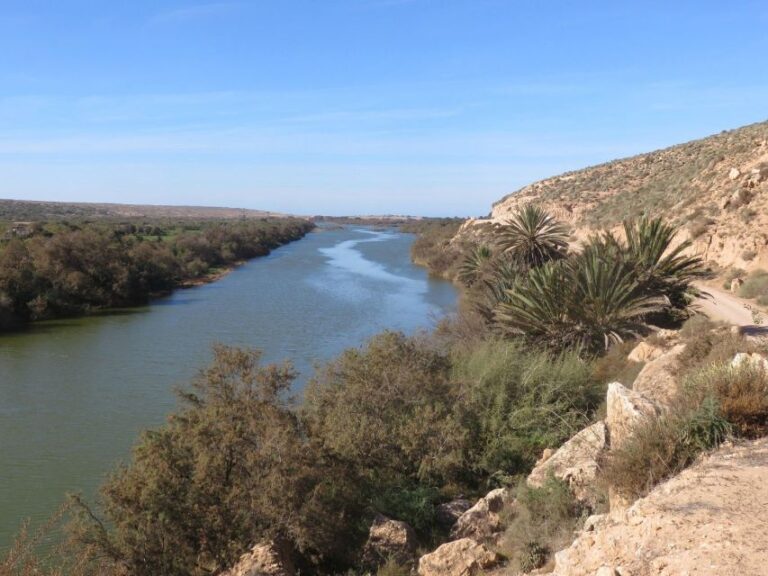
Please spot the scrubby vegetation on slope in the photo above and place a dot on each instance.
(713, 189)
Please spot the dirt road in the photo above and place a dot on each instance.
(726, 307)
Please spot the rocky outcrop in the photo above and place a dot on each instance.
(645, 352)
(658, 379)
(753, 360)
(625, 410)
(464, 557)
(389, 539)
(575, 462)
(264, 559)
(709, 520)
(447, 514)
(482, 520)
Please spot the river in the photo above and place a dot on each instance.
(75, 393)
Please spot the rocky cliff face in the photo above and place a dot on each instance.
(716, 188)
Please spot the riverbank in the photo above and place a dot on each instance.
(62, 270)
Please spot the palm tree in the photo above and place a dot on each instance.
(587, 303)
(662, 269)
(475, 266)
(532, 237)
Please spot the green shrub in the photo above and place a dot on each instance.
(517, 402)
(731, 274)
(229, 469)
(388, 409)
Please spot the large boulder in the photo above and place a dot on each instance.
(645, 352)
(448, 513)
(575, 462)
(754, 360)
(625, 410)
(464, 557)
(483, 520)
(389, 539)
(658, 379)
(264, 559)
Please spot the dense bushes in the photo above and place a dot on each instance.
(394, 427)
(73, 269)
(519, 401)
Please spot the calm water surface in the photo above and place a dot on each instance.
(74, 394)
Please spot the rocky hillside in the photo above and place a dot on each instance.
(716, 188)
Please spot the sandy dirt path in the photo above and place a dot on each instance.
(725, 307)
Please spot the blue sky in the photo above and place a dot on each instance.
(435, 107)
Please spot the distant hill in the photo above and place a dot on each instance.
(27, 210)
(716, 188)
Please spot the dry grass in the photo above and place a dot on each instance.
(614, 366)
(742, 396)
(542, 521)
(717, 401)
(663, 447)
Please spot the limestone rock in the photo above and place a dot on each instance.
(706, 521)
(389, 538)
(734, 173)
(594, 522)
(575, 462)
(625, 410)
(658, 380)
(483, 519)
(264, 559)
(753, 360)
(464, 557)
(736, 283)
(759, 174)
(448, 513)
(740, 198)
(546, 454)
(645, 352)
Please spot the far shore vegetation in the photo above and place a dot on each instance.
(404, 423)
(51, 269)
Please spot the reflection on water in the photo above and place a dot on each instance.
(75, 393)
